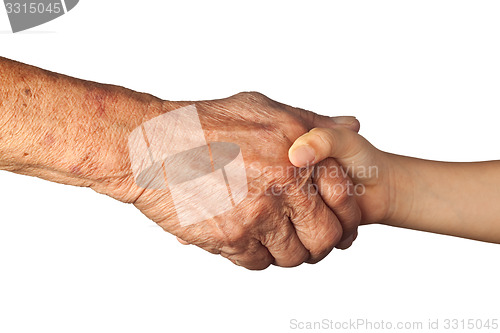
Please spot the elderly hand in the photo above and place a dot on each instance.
(282, 220)
(79, 133)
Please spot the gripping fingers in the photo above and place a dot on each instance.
(286, 247)
(337, 191)
(316, 225)
(257, 258)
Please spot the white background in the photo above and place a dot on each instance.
(423, 77)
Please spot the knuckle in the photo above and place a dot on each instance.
(263, 262)
(341, 194)
(288, 127)
(332, 238)
(235, 235)
(259, 266)
(325, 245)
(352, 220)
(276, 238)
(257, 96)
(253, 96)
(311, 116)
(297, 260)
(252, 261)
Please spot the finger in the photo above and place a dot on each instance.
(255, 258)
(315, 224)
(337, 191)
(183, 242)
(347, 243)
(320, 143)
(285, 246)
(317, 120)
(349, 122)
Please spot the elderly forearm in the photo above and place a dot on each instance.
(64, 129)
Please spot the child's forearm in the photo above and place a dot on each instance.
(459, 199)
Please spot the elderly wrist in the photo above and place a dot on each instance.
(112, 172)
(108, 146)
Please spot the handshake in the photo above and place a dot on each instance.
(288, 206)
(251, 179)
(310, 181)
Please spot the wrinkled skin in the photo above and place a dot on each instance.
(284, 229)
(76, 132)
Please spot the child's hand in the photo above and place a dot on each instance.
(367, 166)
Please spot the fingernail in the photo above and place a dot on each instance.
(344, 120)
(303, 156)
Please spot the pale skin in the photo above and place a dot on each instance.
(75, 132)
(458, 199)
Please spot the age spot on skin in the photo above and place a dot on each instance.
(97, 100)
(27, 92)
(101, 110)
(48, 140)
(76, 170)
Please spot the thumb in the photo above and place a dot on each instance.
(346, 146)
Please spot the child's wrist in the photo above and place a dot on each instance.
(401, 188)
